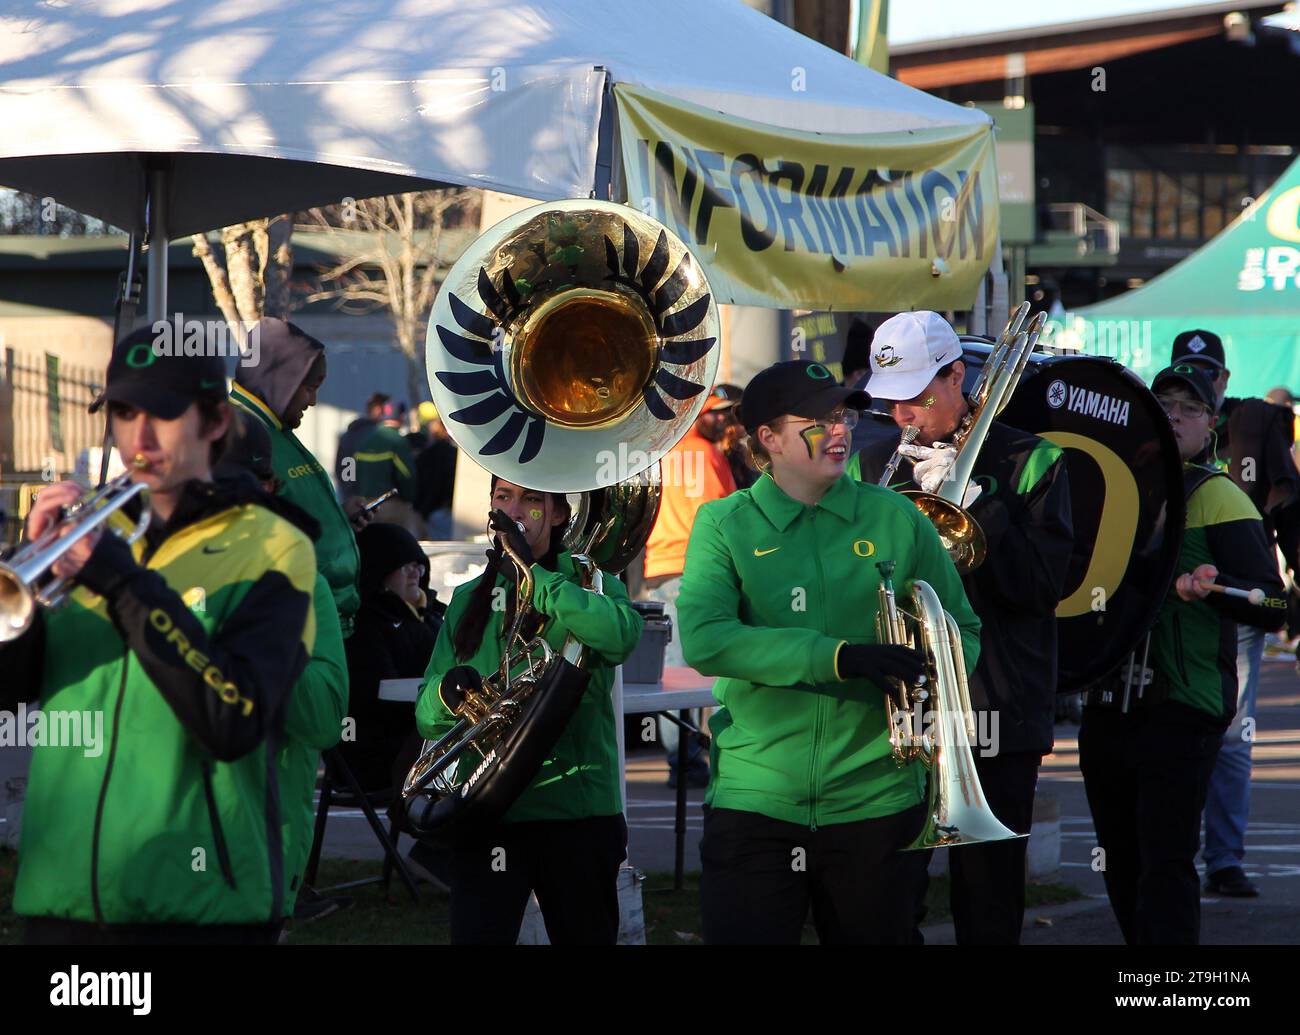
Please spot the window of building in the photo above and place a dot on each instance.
(1144, 202)
(1189, 206)
(1166, 206)
(1119, 198)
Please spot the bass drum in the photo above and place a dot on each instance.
(1126, 490)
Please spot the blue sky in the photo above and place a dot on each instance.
(912, 21)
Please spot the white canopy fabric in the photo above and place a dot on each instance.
(377, 96)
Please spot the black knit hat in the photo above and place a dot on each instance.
(385, 548)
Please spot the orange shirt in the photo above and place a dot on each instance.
(694, 472)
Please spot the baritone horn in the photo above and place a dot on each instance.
(961, 534)
(570, 347)
(940, 736)
(26, 578)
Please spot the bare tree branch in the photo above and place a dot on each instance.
(221, 292)
(398, 267)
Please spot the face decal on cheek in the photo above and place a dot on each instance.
(812, 436)
(535, 515)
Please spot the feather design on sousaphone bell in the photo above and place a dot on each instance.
(576, 318)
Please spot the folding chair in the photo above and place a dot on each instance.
(339, 788)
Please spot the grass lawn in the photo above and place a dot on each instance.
(672, 918)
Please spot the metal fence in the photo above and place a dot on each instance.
(44, 421)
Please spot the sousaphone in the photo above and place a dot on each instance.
(570, 348)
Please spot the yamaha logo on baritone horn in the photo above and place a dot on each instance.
(483, 767)
(1089, 403)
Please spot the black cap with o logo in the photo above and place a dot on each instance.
(796, 387)
(162, 373)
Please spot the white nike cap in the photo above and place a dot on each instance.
(907, 352)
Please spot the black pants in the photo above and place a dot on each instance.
(44, 930)
(571, 865)
(761, 875)
(988, 880)
(1146, 775)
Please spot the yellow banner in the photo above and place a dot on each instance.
(883, 222)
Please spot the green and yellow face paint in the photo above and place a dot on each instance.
(535, 514)
(813, 436)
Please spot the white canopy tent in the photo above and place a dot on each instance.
(223, 112)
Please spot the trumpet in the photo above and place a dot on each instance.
(956, 811)
(26, 578)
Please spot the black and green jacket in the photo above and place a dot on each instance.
(187, 644)
(1024, 512)
(305, 483)
(1194, 643)
(384, 461)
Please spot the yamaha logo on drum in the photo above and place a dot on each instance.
(1089, 403)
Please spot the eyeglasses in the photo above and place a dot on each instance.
(1183, 408)
(846, 417)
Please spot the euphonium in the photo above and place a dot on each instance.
(939, 737)
(570, 347)
(26, 579)
(961, 534)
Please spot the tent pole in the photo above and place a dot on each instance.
(602, 181)
(157, 300)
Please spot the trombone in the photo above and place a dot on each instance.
(26, 578)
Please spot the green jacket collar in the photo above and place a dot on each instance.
(252, 404)
(781, 509)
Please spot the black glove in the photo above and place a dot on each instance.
(506, 529)
(456, 684)
(880, 662)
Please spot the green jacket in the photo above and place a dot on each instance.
(581, 779)
(312, 723)
(306, 483)
(187, 649)
(1194, 643)
(772, 589)
(384, 461)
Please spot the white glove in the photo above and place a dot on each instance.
(931, 465)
